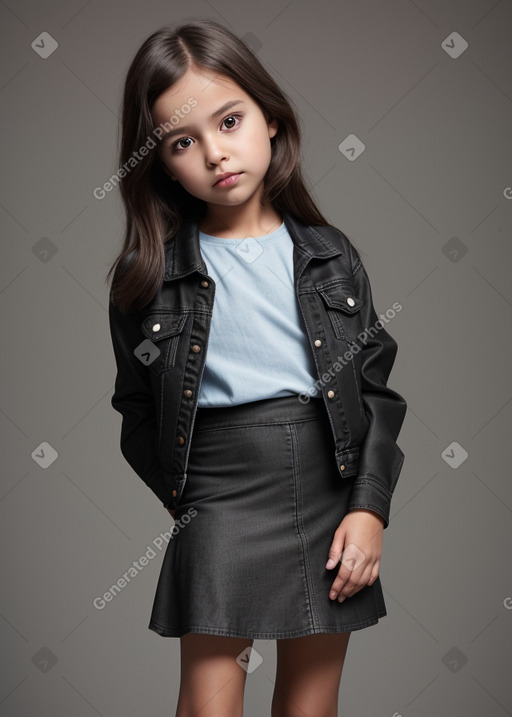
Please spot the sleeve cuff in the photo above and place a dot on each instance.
(369, 494)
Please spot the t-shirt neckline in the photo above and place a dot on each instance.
(224, 241)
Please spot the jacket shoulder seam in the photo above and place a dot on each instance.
(357, 266)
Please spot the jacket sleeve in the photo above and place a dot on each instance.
(380, 459)
(133, 398)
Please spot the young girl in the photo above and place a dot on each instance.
(251, 377)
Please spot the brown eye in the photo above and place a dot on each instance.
(178, 144)
(236, 119)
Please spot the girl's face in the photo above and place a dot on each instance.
(221, 129)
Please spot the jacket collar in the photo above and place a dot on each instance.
(183, 254)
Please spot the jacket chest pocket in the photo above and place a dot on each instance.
(343, 308)
(163, 331)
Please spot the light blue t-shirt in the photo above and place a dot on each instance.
(258, 346)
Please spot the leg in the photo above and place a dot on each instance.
(212, 681)
(308, 675)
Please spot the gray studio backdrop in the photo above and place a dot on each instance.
(407, 110)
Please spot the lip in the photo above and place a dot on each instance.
(227, 179)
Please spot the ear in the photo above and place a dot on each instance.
(273, 125)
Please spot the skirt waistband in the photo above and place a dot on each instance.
(268, 410)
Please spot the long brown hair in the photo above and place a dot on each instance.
(155, 206)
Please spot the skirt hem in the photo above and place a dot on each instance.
(256, 635)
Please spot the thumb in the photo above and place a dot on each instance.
(335, 550)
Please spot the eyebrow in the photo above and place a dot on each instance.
(221, 110)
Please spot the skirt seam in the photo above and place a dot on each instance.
(305, 563)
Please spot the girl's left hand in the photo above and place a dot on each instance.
(359, 536)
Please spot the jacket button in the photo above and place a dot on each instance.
(330, 394)
(342, 467)
(174, 494)
(196, 348)
(318, 342)
(350, 301)
(156, 327)
(181, 440)
(205, 283)
(187, 392)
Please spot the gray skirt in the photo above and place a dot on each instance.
(253, 528)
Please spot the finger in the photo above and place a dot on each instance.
(335, 551)
(357, 581)
(342, 578)
(375, 572)
(351, 558)
(349, 578)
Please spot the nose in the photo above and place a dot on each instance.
(215, 150)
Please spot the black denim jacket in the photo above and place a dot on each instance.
(161, 350)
